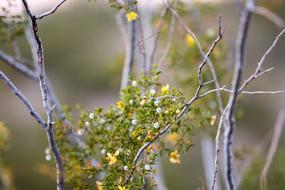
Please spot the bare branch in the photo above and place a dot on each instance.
(258, 70)
(51, 11)
(155, 43)
(12, 62)
(26, 102)
(238, 72)
(217, 148)
(45, 96)
(130, 53)
(273, 147)
(278, 21)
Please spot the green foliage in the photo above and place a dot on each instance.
(114, 136)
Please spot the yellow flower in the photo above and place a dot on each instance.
(165, 89)
(177, 111)
(189, 40)
(131, 16)
(99, 185)
(213, 120)
(122, 188)
(174, 157)
(171, 138)
(121, 105)
(111, 158)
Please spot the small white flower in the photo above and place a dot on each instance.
(134, 122)
(152, 91)
(80, 131)
(91, 115)
(156, 102)
(156, 125)
(102, 121)
(173, 99)
(158, 110)
(109, 128)
(134, 83)
(48, 157)
(47, 151)
(103, 151)
(87, 124)
(131, 102)
(131, 129)
(147, 167)
(126, 168)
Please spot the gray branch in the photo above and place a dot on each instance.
(238, 72)
(26, 102)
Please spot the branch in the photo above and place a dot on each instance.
(45, 96)
(155, 43)
(26, 102)
(15, 64)
(51, 11)
(273, 147)
(278, 21)
(130, 53)
(258, 71)
(201, 50)
(238, 72)
(185, 108)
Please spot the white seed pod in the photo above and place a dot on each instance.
(156, 102)
(103, 151)
(87, 123)
(91, 115)
(134, 122)
(80, 132)
(158, 110)
(48, 157)
(126, 168)
(134, 83)
(147, 167)
(47, 151)
(156, 125)
(152, 91)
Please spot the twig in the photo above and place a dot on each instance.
(217, 148)
(278, 21)
(185, 108)
(142, 42)
(130, 53)
(273, 147)
(51, 11)
(258, 71)
(26, 102)
(45, 96)
(155, 42)
(169, 40)
(15, 64)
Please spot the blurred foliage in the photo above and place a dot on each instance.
(5, 172)
(276, 174)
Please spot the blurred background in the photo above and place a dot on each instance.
(84, 53)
